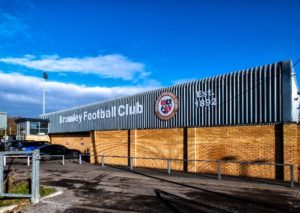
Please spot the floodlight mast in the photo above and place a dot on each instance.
(45, 77)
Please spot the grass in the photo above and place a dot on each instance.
(23, 188)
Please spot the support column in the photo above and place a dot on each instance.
(93, 151)
(185, 149)
(279, 170)
(192, 149)
(128, 149)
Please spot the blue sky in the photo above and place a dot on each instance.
(97, 50)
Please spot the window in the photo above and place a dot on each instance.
(37, 128)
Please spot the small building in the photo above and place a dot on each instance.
(35, 129)
(246, 116)
(3, 124)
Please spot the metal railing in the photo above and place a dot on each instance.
(35, 184)
(219, 164)
(35, 181)
(16, 156)
(62, 158)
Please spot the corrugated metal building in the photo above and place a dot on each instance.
(264, 96)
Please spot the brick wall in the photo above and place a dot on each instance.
(157, 143)
(290, 150)
(163, 143)
(253, 143)
(298, 143)
(110, 143)
(37, 138)
(79, 141)
(238, 143)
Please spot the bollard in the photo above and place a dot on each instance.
(35, 183)
(28, 161)
(130, 164)
(80, 159)
(102, 161)
(169, 166)
(292, 175)
(4, 160)
(63, 160)
(219, 169)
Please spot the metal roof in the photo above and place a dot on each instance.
(264, 94)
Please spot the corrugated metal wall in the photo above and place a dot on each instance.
(245, 97)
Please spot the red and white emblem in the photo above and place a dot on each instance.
(166, 106)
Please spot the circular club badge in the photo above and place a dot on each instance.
(166, 106)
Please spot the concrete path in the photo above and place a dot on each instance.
(92, 188)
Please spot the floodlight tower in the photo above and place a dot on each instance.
(45, 77)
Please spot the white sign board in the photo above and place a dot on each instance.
(3, 120)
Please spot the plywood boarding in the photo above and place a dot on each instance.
(157, 143)
(239, 143)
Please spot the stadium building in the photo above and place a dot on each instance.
(249, 115)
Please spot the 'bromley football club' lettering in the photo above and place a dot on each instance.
(166, 106)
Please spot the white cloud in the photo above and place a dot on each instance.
(106, 66)
(11, 26)
(22, 95)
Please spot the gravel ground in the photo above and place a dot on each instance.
(92, 188)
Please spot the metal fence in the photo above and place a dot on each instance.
(35, 181)
(218, 162)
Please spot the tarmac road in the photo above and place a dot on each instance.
(92, 188)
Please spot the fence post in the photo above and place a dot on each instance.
(219, 169)
(1, 173)
(63, 160)
(35, 181)
(169, 166)
(102, 161)
(130, 163)
(80, 159)
(292, 175)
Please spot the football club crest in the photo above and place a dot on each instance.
(166, 106)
